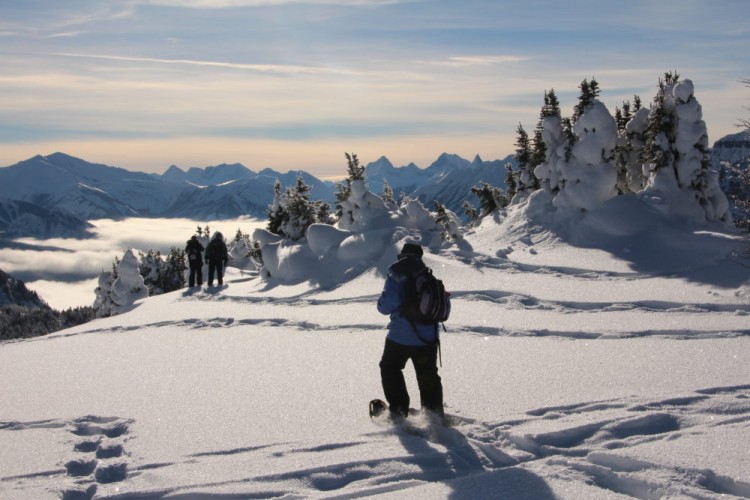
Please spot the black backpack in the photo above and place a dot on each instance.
(426, 300)
(193, 254)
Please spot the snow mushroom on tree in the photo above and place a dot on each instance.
(129, 286)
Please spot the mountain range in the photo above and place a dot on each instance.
(55, 195)
(66, 191)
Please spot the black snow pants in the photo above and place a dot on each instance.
(424, 359)
(215, 267)
(196, 274)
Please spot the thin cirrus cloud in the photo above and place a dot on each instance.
(287, 69)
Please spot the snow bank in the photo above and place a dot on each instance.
(369, 235)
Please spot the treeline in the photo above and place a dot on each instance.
(17, 322)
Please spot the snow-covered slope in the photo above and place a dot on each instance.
(14, 292)
(602, 356)
(734, 148)
(19, 219)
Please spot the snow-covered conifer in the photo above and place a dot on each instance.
(510, 180)
(151, 266)
(490, 198)
(129, 286)
(589, 177)
(322, 210)
(276, 214)
(548, 169)
(173, 273)
(525, 178)
(471, 213)
(676, 155)
(355, 170)
(300, 211)
(387, 195)
(448, 221)
(103, 302)
(343, 190)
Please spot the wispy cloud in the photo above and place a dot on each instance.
(477, 60)
(220, 4)
(287, 69)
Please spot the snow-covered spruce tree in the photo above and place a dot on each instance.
(129, 286)
(524, 179)
(547, 169)
(354, 169)
(276, 214)
(588, 178)
(103, 291)
(361, 209)
(471, 213)
(677, 159)
(299, 210)
(528, 179)
(355, 172)
(510, 180)
(103, 302)
(323, 213)
(448, 221)
(589, 92)
(490, 198)
(173, 273)
(387, 195)
(631, 128)
(150, 267)
(343, 190)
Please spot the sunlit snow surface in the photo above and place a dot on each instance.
(597, 360)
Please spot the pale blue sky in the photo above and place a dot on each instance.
(143, 84)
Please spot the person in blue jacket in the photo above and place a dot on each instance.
(408, 341)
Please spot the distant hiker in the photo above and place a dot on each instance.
(216, 258)
(194, 252)
(408, 339)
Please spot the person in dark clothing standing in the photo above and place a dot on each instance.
(408, 340)
(216, 258)
(194, 252)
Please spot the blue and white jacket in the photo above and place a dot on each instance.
(400, 329)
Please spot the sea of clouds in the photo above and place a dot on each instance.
(64, 272)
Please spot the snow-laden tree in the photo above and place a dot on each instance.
(448, 221)
(299, 210)
(151, 266)
(387, 194)
(510, 180)
(589, 177)
(676, 156)
(362, 206)
(548, 169)
(631, 128)
(103, 303)
(173, 273)
(276, 214)
(129, 286)
(524, 179)
(491, 198)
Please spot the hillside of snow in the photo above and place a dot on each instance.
(605, 355)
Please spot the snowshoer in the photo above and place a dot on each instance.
(194, 252)
(216, 258)
(408, 340)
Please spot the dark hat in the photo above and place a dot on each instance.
(411, 249)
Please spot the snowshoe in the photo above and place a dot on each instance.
(377, 407)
